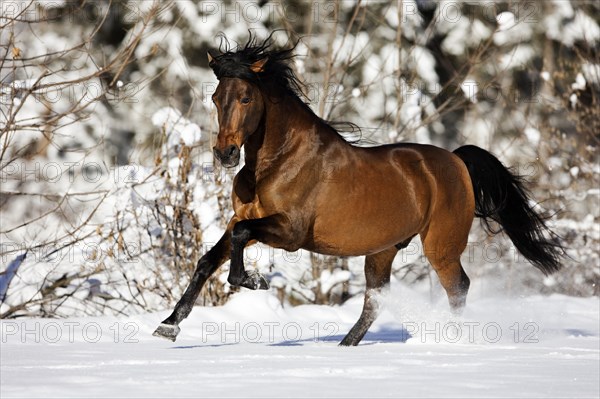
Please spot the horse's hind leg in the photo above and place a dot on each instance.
(378, 268)
(443, 252)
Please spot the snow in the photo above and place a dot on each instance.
(176, 126)
(579, 83)
(517, 58)
(252, 347)
(425, 64)
(478, 132)
(348, 48)
(463, 33)
(506, 20)
(545, 75)
(591, 72)
(533, 135)
(470, 87)
(568, 26)
(573, 100)
(510, 30)
(583, 28)
(330, 280)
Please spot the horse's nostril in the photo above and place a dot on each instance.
(231, 151)
(229, 155)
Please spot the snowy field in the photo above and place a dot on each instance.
(252, 347)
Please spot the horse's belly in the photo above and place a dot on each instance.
(357, 240)
(367, 225)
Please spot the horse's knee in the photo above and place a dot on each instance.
(240, 234)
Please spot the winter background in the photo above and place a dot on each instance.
(109, 195)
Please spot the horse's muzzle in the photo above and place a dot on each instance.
(229, 157)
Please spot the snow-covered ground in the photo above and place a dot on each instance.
(501, 347)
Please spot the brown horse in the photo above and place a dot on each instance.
(304, 186)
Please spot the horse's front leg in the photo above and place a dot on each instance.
(272, 230)
(206, 266)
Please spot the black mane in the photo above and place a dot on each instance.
(235, 63)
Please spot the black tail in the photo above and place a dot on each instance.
(502, 197)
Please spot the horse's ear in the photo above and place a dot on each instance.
(211, 59)
(259, 65)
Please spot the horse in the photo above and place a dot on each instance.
(303, 186)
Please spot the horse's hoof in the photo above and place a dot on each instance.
(167, 331)
(255, 281)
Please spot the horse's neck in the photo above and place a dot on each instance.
(289, 130)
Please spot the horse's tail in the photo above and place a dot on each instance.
(501, 196)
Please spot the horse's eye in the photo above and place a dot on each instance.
(245, 100)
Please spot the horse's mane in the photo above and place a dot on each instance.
(236, 62)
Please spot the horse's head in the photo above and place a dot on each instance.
(240, 106)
